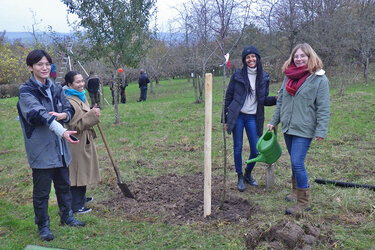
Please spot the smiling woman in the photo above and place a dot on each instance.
(78, 83)
(245, 98)
(84, 169)
(303, 109)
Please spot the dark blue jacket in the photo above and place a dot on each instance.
(236, 95)
(143, 80)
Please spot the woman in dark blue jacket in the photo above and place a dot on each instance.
(245, 98)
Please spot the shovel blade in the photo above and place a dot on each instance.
(125, 190)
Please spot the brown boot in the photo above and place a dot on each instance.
(293, 195)
(303, 202)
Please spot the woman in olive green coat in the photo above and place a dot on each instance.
(303, 109)
(84, 168)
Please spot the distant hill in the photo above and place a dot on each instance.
(27, 38)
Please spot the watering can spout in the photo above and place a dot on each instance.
(259, 158)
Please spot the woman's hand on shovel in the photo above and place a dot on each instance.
(96, 110)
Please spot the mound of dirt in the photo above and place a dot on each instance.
(179, 200)
(286, 235)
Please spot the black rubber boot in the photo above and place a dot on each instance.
(44, 232)
(68, 219)
(241, 183)
(249, 178)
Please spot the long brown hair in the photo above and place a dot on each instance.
(314, 63)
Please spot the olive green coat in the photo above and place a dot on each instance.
(84, 168)
(307, 113)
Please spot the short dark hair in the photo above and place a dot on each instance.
(36, 55)
(69, 77)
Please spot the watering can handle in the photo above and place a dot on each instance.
(273, 130)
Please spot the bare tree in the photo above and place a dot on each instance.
(116, 30)
(364, 31)
(229, 17)
(203, 18)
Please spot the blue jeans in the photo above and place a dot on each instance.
(249, 123)
(297, 148)
(143, 93)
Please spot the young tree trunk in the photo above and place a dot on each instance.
(151, 87)
(102, 95)
(195, 85)
(117, 117)
(225, 142)
(200, 89)
(365, 71)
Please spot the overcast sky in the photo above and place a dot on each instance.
(16, 15)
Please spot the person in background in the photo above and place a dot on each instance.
(123, 84)
(142, 82)
(93, 87)
(303, 109)
(245, 98)
(84, 169)
(53, 73)
(43, 108)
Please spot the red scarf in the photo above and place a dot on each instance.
(296, 77)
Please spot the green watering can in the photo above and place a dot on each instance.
(269, 150)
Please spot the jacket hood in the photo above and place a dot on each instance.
(250, 50)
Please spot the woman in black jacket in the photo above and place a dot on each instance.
(245, 98)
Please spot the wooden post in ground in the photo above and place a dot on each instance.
(270, 176)
(207, 144)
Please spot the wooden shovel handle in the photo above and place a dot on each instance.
(109, 153)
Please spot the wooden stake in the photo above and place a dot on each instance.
(270, 176)
(207, 144)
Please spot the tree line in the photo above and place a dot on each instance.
(114, 34)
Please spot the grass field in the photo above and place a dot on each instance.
(166, 135)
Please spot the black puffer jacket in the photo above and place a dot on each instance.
(238, 88)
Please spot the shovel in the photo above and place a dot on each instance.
(124, 188)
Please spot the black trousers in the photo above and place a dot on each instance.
(123, 96)
(42, 180)
(78, 197)
(95, 98)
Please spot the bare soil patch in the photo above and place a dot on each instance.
(179, 200)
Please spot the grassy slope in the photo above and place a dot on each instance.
(165, 135)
